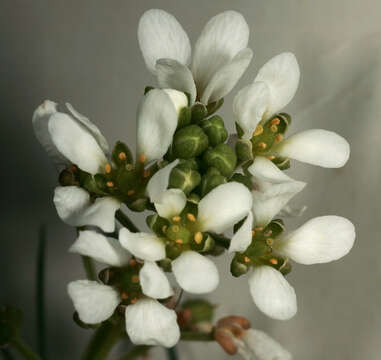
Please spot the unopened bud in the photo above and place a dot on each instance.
(199, 112)
(211, 180)
(201, 310)
(185, 117)
(238, 268)
(223, 158)
(184, 178)
(189, 142)
(214, 128)
(242, 179)
(244, 150)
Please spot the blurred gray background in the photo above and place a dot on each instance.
(86, 53)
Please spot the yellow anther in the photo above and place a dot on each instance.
(198, 237)
(258, 130)
(142, 158)
(132, 262)
(176, 218)
(164, 228)
(273, 261)
(135, 279)
(129, 167)
(146, 173)
(124, 296)
(108, 168)
(268, 232)
(122, 156)
(246, 259)
(274, 128)
(279, 138)
(110, 184)
(175, 228)
(191, 217)
(270, 157)
(252, 233)
(269, 242)
(262, 145)
(131, 192)
(179, 241)
(275, 121)
(134, 300)
(258, 228)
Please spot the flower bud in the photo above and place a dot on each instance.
(189, 142)
(244, 150)
(185, 117)
(121, 154)
(184, 177)
(157, 224)
(210, 180)
(199, 112)
(201, 310)
(214, 128)
(238, 268)
(223, 158)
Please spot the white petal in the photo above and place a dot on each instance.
(272, 294)
(281, 74)
(142, 245)
(265, 171)
(221, 39)
(40, 122)
(76, 143)
(195, 273)
(161, 37)
(288, 211)
(94, 302)
(178, 98)
(224, 206)
(75, 208)
(159, 182)
(317, 147)
(171, 203)
(249, 106)
(90, 127)
(242, 238)
(226, 77)
(150, 323)
(101, 248)
(319, 240)
(265, 347)
(154, 282)
(156, 124)
(172, 74)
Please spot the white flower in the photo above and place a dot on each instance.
(319, 240)
(217, 211)
(147, 321)
(70, 139)
(220, 56)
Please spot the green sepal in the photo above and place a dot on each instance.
(185, 117)
(214, 128)
(244, 150)
(119, 148)
(127, 181)
(88, 182)
(194, 198)
(213, 107)
(173, 250)
(67, 177)
(202, 310)
(276, 227)
(239, 130)
(11, 320)
(148, 89)
(242, 179)
(157, 224)
(184, 177)
(189, 142)
(83, 325)
(238, 267)
(210, 180)
(222, 157)
(198, 112)
(282, 264)
(282, 163)
(101, 182)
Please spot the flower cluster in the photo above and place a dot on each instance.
(197, 183)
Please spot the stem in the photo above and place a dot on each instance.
(197, 336)
(24, 349)
(40, 296)
(139, 350)
(126, 221)
(102, 341)
(89, 267)
(172, 353)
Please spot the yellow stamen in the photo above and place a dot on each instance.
(274, 128)
(146, 173)
(135, 279)
(268, 232)
(198, 237)
(191, 217)
(176, 218)
(124, 296)
(273, 261)
(122, 156)
(258, 130)
(279, 138)
(142, 158)
(270, 157)
(269, 242)
(252, 233)
(131, 192)
(108, 168)
(110, 184)
(275, 121)
(132, 262)
(246, 259)
(179, 241)
(259, 228)
(262, 145)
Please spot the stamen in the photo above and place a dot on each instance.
(124, 296)
(131, 192)
(273, 261)
(274, 128)
(108, 168)
(268, 232)
(135, 279)
(258, 130)
(270, 157)
(275, 121)
(259, 228)
(110, 184)
(279, 138)
(129, 167)
(132, 262)
(269, 241)
(179, 241)
(142, 158)
(176, 218)
(146, 173)
(122, 156)
(262, 145)
(252, 233)
(246, 259)
(198, 237)
(191, 217)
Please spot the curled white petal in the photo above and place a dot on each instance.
(162, 37)
(75, 208)
(281, 74)
(317, 147)
(319, 240)
(156, 124)
(221, 39)
(101, 248)
(174, 75)
(249, 106)
(226, 77)
(242, 238)
(94, 302)
(154, 282)
(264, 347)
(142, 245)
(224, 206)
(195, 273)
(265, 171)
(178, 98)
(171, 203)
(150, 323)
(289, 211)
(272, 294)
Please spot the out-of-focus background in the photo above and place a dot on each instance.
(86, 53)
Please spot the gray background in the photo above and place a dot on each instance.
(86, 52)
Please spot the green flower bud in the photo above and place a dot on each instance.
(121, 154)
(157, 224)
(11, 320)
(244, 150)
(184, 178)
(210, 180)
(202, 310)
(222, 157)
(199, 112)
(242, 179)
(185, 117)
(213, 107)
(238, 268)
(214, 128)
(189, 142)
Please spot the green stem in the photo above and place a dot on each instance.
(139, 350)
(40, 296)
(89, 267)
(172, 353)
(126, 221)
(197, 336)
(102, 341)
(24, 350)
